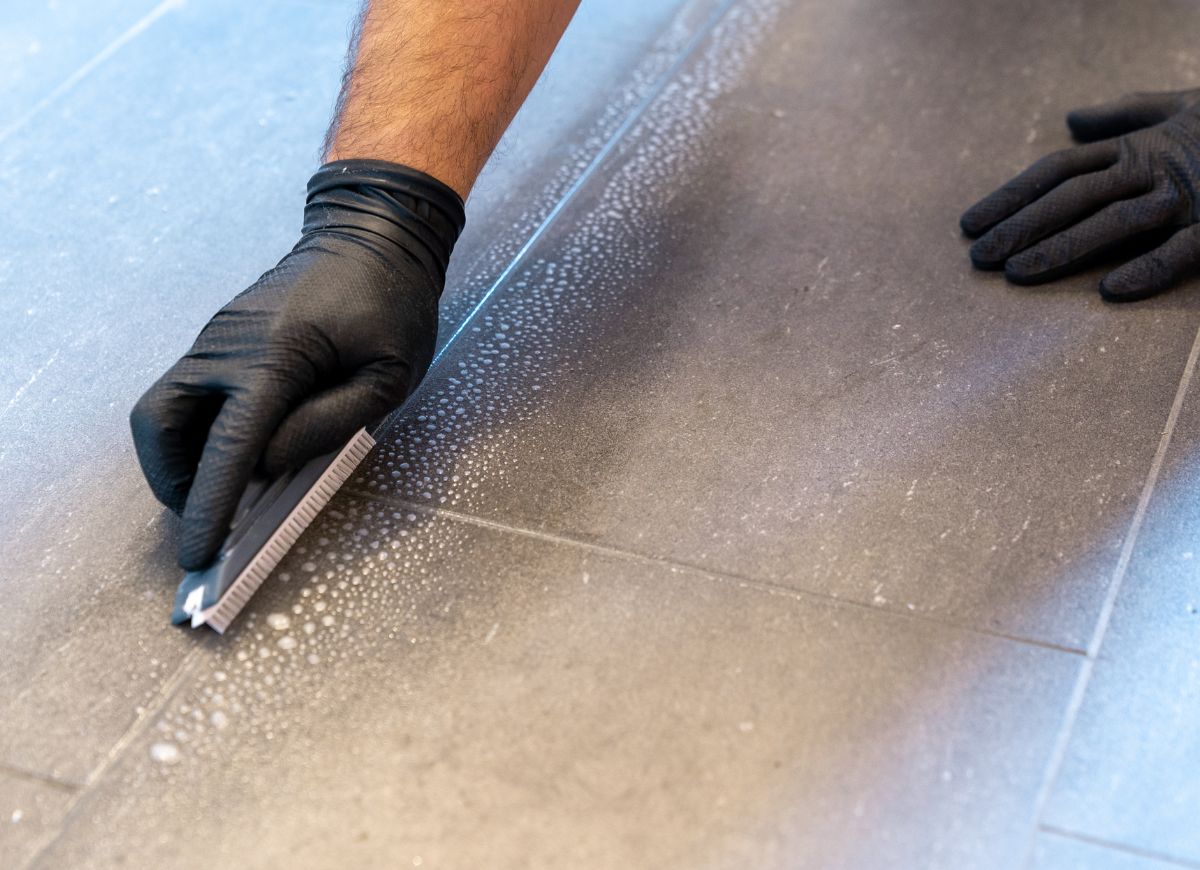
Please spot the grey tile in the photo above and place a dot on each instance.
(114, 237)
(85, 635)
(754, 342)
(117, 262)
(31, 813)
(151, 192)
(635, 21)
(114, 263)
(412, 689)
(610, 58)
(1130, 769)
(46, 44)
(1055, 852)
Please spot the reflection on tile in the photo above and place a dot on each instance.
(1130, 771)
(114, 263)
(30, 815)
(45, 44)
(1054, 852)
(85, 636)
(636, 21)
(754, 342)
(413, 688)
(682, 368)
(117, 262)
(610, 58)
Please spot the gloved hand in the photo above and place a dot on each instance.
(1075, 205)
(330, 340)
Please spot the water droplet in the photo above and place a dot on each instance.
(165, 753)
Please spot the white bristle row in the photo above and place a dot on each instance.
(264, 562)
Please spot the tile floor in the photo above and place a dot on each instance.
(739, 523)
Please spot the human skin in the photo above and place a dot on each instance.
(433, 84)
(344, 327)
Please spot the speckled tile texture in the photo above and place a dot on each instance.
(117, 262)
(32, 809)
(757, 326)
(1130, 771)
(47, 45)
(738, 524)
(419, 690)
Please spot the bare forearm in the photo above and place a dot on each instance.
(433, 84)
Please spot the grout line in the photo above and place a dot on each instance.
(170, 686)
(759, 585)
(635, 114)
(84, 71)
(151, 710)
(135, 730)
(1116, 846)
(30, 382)
(7, 769)
(1139, 516)
(1083, 680)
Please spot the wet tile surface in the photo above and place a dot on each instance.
(502, 701)
(1063, 853)
(86, 648)
(30, 814)
(611, 57)
(113, 263)
(117, 262)
(749, 342)
(1130, 771)
(754, 342)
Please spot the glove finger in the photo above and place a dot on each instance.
(235, 443)
(169, 424)
(1071, 201)
(1043, 176)
(1125, 115)
(1079, 245)
(326, 421)
(1156, 272)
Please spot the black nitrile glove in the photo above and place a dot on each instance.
(329, 341)
(1075, 205)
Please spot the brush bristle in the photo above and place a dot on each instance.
(238, 595)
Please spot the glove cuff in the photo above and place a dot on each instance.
(414, 211)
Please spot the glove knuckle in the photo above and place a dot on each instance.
(148, 413)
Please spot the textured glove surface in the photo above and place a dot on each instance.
(1135, 180)
(330, 340)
